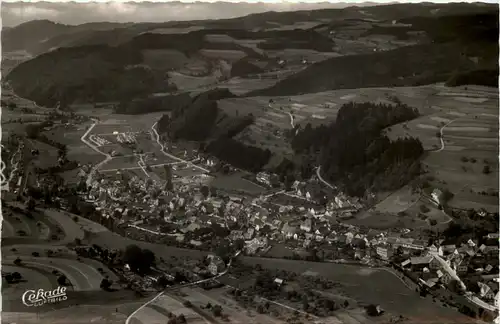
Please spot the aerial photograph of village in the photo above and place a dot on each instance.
(230, 162)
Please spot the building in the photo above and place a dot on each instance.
(384, 252)
(216, 265)
(436, 196)
(288, 231)
(306, 225)
(264, 178)
(419, 263)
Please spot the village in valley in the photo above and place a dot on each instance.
(254, 170)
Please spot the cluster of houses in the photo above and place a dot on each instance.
(99, 141)
(440, 264)
(125, 138)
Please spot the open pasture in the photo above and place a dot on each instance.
(164, 59)
(228, 55)
(295, 56)
(120, 162)
(240, 86)
(219, 38)
(252, 44)
(298, 25)
(236, 313)
(31, 278)
(76, 310)
(236, 182)
(376, 286)
(159, 309)
(173, 30)
(71, 137)
(397, 202)
(119, 149)
(315, 108)
(186, 82)
(157, 157)
(468, 119)
(48, 155)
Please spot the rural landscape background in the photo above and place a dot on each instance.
(251, 163)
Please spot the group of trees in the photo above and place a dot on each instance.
(238, 154)
(353, 151)
(13, 277)
(139, 260)
(193, 118)
(200, 119)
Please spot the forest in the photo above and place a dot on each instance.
(353, 152)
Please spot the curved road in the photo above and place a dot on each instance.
(318, 173)
(157, 136)
(441, 135)
(82, 276)
(92, 146)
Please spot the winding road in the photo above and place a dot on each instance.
(441, 136)
(318, 174)
(157, 137)
(96, 167)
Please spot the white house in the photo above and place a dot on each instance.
(436, 196)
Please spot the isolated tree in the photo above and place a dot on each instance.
(373, 310)
(205, 191)
(217, 310)
(105, 284)
(16, 276)
(181, 319)
(486, 169)
(31, 204)
(17, 262)
(132, 256)
(424, 209)
(62, 280)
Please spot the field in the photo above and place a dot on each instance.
(41, 234)
(271, 120)
(228, 55)
(186, 82)
(175, 30)
(76, 314)
(468, 120)
(240, 86)
(295, 56)
(164, 59)
(471, 135)
(402, 209)
(235, 182)
(369, 285)
(77, 150)
(297, 25)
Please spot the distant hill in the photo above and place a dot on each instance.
(39, 36)
(456, 44)
(99, 62)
